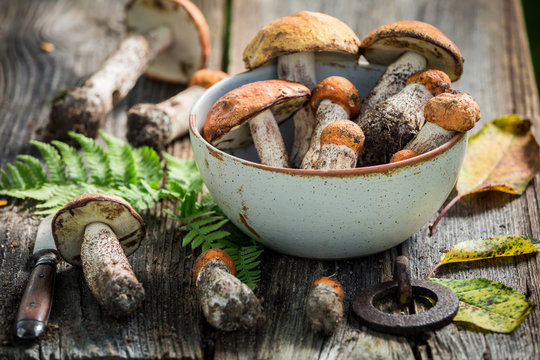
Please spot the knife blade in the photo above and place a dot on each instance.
(33, 313)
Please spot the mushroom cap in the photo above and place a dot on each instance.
(190, 48)
(206, 77)
(213, 254)
(403, 155)
(333, 283)
(454, 111)
(226, 123)
(70, 221)
(340, 91)
(344, 132)
(386, 43)
(435, 81)
(304, 31)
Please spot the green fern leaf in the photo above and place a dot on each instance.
(184, 172)
(122, 163)
(16, 178)
(42, 193)
(74, 162)
(53, 161)
(147, 164)
(6, 182)
(35, 167)
(26, 174)
(96, 158)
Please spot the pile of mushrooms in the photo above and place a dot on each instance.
(411, 110)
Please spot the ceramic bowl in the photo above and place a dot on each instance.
(321, 214)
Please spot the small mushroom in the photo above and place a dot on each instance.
(403, 155)
(406, 47)
(169, 41)
(341, 144)
(334, 98)
(393, 123)
(98, 232)
(294, 40)
(262, 105)
(227, 303)
(324, 306)
(156, 125)
(445, 114)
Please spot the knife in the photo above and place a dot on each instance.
(33, 314)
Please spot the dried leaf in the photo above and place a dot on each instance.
(487, 304)
(502, 156)
(479, 249)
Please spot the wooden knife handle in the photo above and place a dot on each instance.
(33, 314)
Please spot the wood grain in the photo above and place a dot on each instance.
(498, 73)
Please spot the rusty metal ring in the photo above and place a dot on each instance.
(442, 313)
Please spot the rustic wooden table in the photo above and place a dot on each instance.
(491, 36)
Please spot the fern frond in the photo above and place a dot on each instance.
(246, 260)
(16, 178)
(147, 164)
(73, 161)
(53, 161)
(184, 172)
(42, 193)
(122, 163)
(96, 158)
(26, 174)
(35, 167)
(6, 181)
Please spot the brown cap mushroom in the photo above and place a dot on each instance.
(226, 302)
(169, 41)
(403, 155)
(262, 105)
(435, 81)
(156, 125)
(334, 98)
(324, 305)
(341, 144)
(97, 232)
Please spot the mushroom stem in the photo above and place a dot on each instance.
(392, 81)
(304, 123)
(333, 156)
(429, 137)
(268, 140)
(83, 109)
(107, 271)
(156, 125)
(324, 305)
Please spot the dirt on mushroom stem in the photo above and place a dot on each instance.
(324, 307)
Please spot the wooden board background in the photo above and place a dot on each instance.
(498, 74)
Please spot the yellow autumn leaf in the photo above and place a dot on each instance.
(502, 156)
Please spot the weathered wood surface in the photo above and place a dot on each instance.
(498, 74)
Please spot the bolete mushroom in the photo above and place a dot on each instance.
(406, 47)
(227, 303)
(390, 125)
(262, 105)
(98, 232)
(334, 98)
(403, 155)
(156, 125)
(324, 305)
(341, 144)
(294, 40)
(445, 114)
(169, 41)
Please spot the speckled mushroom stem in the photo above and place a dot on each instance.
(428, 138)
(324, 305)
(327, 113)
(108, 273)
(268, 140)
(333, 156)
(83, 109)
(341, 144)
(156, 125)
(392, 81)
(227, 303)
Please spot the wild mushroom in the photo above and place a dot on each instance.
(227, 303)
(324, 306)
(403, 155)
(406, 47)
(98, 232)
(262, 105)
(156, 125)
(294, 40)
(169, 42)
(341, 144)
(445, 114)
(334, 98)
(393, 123)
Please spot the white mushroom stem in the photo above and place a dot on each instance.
(300, 68)
(392, 81)
(268, 140)
(324, 308)
(156, 125)
(83, 109)
(429, 137)
(327, 113)
(227, 303)
(107, 271)
(333, 156)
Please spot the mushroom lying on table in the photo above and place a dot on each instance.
(156, 125)
(406, 47)
(294, 40)
(169, 41)
(98, 232)
(261, 105)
